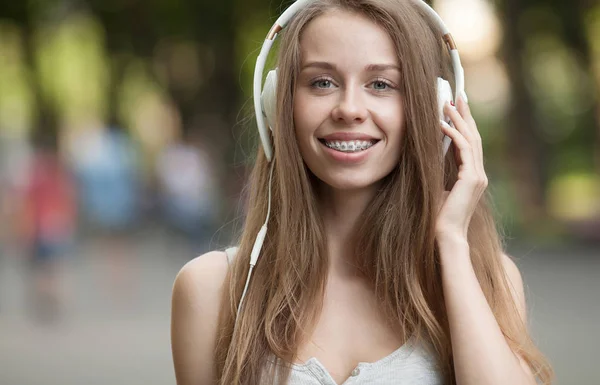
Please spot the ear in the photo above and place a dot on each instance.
(269, 98)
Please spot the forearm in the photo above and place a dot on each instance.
(481, 353)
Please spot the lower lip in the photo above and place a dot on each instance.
(348, 157)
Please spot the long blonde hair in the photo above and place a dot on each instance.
(397, 253)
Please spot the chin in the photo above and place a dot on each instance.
(350, 182)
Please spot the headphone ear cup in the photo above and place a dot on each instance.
(269, 98)
(444, 94)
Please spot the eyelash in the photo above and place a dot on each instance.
(378, 80)
(389, 85)
(318, 80)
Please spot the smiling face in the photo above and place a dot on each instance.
(348, 112)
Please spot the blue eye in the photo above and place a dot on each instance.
(322, 83)
(380, 85)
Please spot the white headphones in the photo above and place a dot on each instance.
(265, 101)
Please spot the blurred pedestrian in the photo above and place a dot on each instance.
(108, 177)
(48, 216)
(187, 189)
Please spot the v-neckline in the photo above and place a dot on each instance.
(314, 363)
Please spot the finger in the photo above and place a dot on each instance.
(465, 110)
(470, 133)
(469, 162)
(464, 147)
(460, 125)
(457, 120)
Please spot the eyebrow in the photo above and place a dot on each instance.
(368, 68)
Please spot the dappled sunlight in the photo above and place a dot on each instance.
(17, 99)
(73, 68)
(563, 89)
(145, 108)
(575, 196)
(465, 16)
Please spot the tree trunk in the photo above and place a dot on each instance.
(526, 152)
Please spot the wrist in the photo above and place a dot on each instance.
(453, 248)
(451, 239)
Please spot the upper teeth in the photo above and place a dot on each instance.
(349, 146)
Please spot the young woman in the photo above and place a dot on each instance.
(381, 263)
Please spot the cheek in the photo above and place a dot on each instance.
(308, 114)
(302, 123)
(299, 117)
(390, 118)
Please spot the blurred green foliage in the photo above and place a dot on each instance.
(180, 68)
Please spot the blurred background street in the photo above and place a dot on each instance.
(126, 136)
(106, 332)
(115, 337)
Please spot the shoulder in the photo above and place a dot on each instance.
(195, 306)
(202, 273)
(515, 282)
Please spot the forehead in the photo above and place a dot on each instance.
(346, 38)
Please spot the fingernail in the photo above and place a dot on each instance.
(451, 103)
(464, 96)
(445, 124)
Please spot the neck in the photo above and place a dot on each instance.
(341, 211)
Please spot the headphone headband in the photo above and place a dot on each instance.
(444, 93)
(281, 23)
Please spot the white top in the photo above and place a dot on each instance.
(410, 364)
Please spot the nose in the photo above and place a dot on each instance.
(351, 108)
